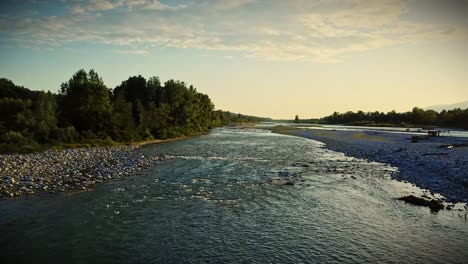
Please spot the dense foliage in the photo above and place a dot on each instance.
(87, 112)
(452, 118)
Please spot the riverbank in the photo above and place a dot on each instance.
(158, 141)
(77, 169)
(72, 169)
(435, 163)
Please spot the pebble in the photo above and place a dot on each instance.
(447, 175)
(69, 169)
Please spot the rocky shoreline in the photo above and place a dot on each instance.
(68, 169)
(439, 164)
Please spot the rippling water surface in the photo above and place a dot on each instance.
(223, 198)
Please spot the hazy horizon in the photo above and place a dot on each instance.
(266, 58)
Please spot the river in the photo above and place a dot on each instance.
(223, 197)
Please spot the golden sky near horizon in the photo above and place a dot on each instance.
(267, 58)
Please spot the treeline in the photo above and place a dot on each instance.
(457, 118)
(85, 111)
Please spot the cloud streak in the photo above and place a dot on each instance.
(131, 52)
(106, 5)
(322, 31)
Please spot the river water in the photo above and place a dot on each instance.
(227, 197)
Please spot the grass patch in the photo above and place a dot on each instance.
(29, 147)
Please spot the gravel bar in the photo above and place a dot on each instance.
(439, 164)
(68, 169)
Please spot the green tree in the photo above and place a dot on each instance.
(44, 111)
(85, 102)
(123, 124)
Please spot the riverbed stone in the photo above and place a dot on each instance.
(445, 174)
(61, 170)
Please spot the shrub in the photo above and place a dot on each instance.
(12, 137)
(67, 134)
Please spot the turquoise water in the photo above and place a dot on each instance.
(221, 198)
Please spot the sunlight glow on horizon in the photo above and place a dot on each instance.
(266, 58)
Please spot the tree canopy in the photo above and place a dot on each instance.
(86, 110)
(85, 103)
(452, 118)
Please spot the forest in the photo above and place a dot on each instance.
(455, 118)
(86, 112)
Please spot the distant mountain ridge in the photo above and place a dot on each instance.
(438, 108)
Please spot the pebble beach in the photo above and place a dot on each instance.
(439, 164)
(68, 169)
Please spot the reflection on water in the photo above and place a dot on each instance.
(234, 196)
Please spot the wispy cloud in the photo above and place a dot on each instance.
(223, 5)
(321, 31)
(105, 5)
(131, 52)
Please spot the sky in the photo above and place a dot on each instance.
(271, 58)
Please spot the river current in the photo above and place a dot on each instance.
(236, 196)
